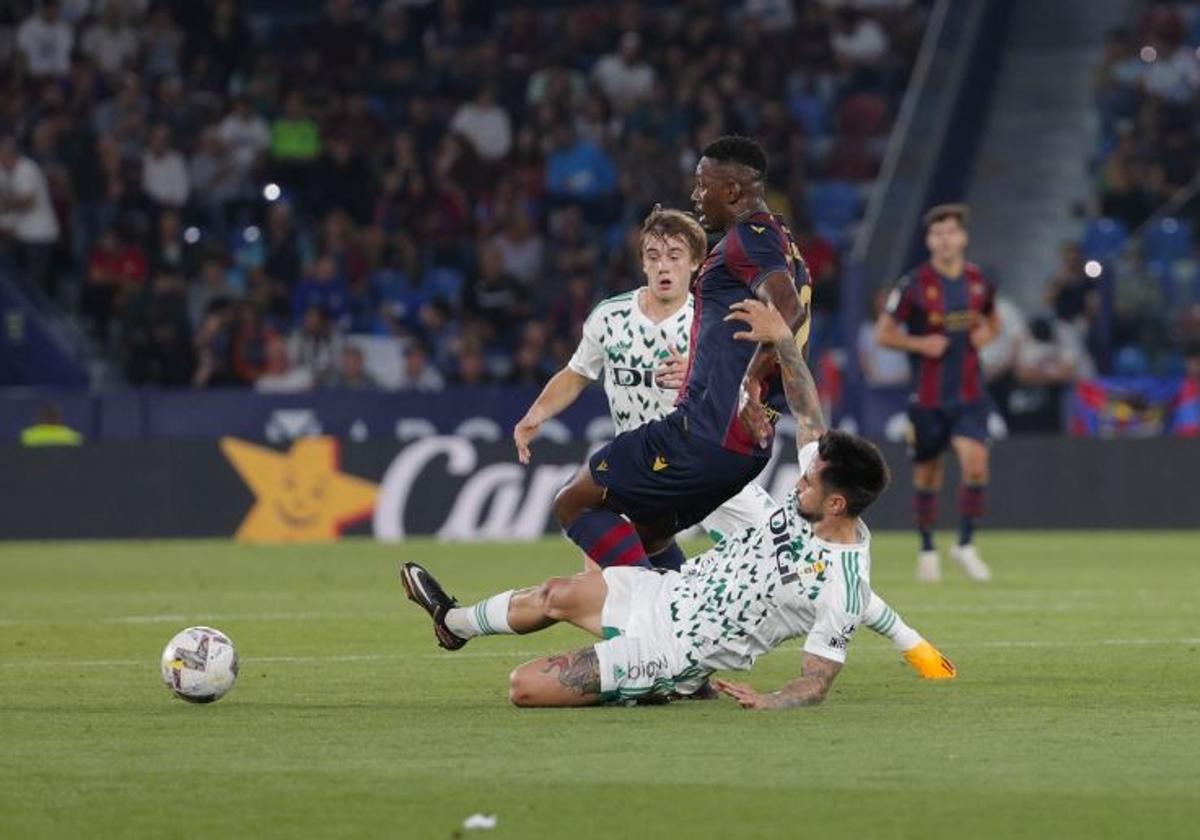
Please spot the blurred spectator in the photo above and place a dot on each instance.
(110, 42)
(470, 367)
(485, 124)
(1069, 288)
(1046, 365)
(316, 346)
(162, 43)
(157, 336)
(49, 429)
(115, 269)
(214, 347)
(246, 137)
(352, 373)
(295, 137)
(521, 249)
(280, 376)
(881, 366)
(322, 287)
(858, 39)
(340, 180)
(495, 296)
(418, 374)
(998, 357)
(579, 170)
(252, 341)
(27, 215)
(821, 259)
(44, 41)
(624, 76)
(164, 172)
(211, 288)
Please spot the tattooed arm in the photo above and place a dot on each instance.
(766, 325)
(809, 689)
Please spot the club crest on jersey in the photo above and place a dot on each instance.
(931, 292)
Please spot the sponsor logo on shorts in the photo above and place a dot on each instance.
(660, 463)
(642, 670)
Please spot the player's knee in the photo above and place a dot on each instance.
(566, 509)
(557, 596)
(522, 688)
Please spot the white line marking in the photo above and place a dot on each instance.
(519, 654)
(211, 618)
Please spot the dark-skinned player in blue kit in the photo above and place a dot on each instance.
(626, 504)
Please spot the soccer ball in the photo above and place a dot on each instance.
(200, 665)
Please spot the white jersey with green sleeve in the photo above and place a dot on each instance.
(622, 343)
(756, 589)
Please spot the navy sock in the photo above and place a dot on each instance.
(670, 558)
(925, 511)
(970, 505)
(608, 538)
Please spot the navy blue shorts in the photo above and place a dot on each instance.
(931, 429)
(660, 473)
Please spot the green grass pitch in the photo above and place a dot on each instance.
(1076, 712)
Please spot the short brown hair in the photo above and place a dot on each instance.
(961, 213)
(664, 222)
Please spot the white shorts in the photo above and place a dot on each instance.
(748, 509)
(640, 654)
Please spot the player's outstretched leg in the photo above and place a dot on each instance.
(567, 679)
(606, 537)
(973, 460)
(578, 599)
(927, 660)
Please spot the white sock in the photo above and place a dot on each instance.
(887, 622)
(487, 618)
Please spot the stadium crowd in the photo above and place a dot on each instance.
(1147, 203)
(224, 191)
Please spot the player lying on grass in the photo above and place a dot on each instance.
(639, 342)
(803, 572)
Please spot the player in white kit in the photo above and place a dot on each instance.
(638, 342)
(805, 571)
(626, 338)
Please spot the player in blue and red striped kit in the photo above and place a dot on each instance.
(627, 503)
(948, 307)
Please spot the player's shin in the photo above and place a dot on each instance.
(490, 617)
(971, 500)
(608, 539)
(925, 515)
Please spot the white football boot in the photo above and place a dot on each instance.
(968, 559)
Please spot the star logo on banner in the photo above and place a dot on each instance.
(301, 495)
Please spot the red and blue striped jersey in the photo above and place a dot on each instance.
(928, 303)
(711, 395)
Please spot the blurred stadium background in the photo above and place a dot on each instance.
(384, 221)
(290, 270)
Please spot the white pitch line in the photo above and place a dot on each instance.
(518, 654)
(210, 618)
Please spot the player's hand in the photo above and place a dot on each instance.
(746, 696)
(765, 322)
(672, 372)
(934, 346)
(525, 431)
